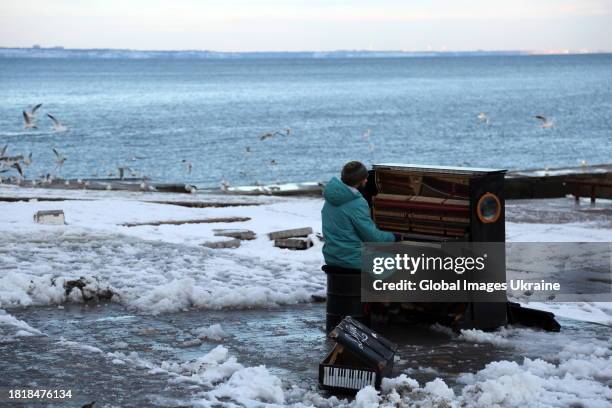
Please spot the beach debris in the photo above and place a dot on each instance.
(229, 243)
(59, 159)
(483, 117)
(122, 170)
(50, 217)
(290, 233)
(57, 125)
(319, 298)
(90, 288)
(545, 122)
(194, 221)
(293, 243)
(242, 234)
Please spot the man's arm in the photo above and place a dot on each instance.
(366, 229)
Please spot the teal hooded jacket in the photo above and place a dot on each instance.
(346, 224)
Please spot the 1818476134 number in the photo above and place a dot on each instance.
(38, 393)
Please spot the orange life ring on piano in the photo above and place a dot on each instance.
(488, 208)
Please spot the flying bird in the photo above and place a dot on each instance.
(546, 123)
(57, 126)
(59, 159)
(28, 159)
(13, 165)
(187, 164)
(28, 121)
(483, 117)
(34, 109)
(268, 135)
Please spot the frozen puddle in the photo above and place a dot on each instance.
(104, 352)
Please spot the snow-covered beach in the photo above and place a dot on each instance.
(163, 273)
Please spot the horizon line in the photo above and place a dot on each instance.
(559, 51)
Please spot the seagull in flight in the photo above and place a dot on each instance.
(34, 109)
(546, 123)
(268, 135)
(483, 117)
(15, 166)
(57, 126)
(187, 164)
(29, 121)
(59, 159)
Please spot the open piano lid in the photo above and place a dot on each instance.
(475, 171)
(369, 346)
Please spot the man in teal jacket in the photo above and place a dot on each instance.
(346, 219)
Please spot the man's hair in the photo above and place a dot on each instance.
(353, 173)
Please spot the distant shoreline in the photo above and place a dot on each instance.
(101, 53)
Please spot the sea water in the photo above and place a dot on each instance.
(158, 116)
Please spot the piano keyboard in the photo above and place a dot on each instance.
(347, 378)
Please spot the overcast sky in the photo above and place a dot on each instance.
(294, 25)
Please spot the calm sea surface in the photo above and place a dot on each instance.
(418, 110)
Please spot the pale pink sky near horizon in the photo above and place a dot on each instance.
(298, 25)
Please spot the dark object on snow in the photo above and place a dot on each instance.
(228, 243)
(243, 234)
(532, 318)
(52, 217)
(343, 295)
(318, 298)
(290, 233)
(90, 405)
(360, 357)
(87, 293)
(293, 243)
